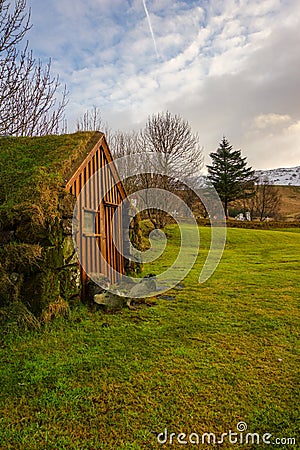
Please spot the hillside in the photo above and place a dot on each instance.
(289, 176)
(290, 204)
(286, 180)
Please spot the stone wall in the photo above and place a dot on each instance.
(38, 264)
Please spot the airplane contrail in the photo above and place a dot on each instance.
(150, 26)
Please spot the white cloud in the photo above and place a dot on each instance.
(295, 128)
(230, 67)
(269, 120)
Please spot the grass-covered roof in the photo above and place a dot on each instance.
(34, 169)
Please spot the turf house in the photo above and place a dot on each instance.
(41, 178)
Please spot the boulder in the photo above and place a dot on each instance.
(109, 299)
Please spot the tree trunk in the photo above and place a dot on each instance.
(226, 208)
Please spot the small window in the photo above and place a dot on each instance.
(89, 222)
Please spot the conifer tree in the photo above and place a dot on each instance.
(229, 174)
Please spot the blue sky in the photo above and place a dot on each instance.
(230, 67)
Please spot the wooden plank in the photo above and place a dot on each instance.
(84, 163)
(109, 159)
(87, 235)
(110, 204)
(105, 225)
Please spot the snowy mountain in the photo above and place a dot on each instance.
(289, 176)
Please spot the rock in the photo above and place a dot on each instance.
(109, 299)
(67, 227)
(144, 288)
(93, 289)
(70, 281)
(123, 287)
(125, 283)
(179, 287)
(14, 277)
(69, 254)
(99, 279)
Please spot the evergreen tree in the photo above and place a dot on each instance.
(229, 174)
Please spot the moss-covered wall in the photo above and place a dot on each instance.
(38, 265)
(131, 223)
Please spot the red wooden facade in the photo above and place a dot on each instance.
(99, 193)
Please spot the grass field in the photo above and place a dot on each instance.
(210, 357)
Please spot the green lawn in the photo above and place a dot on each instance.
(214, 355)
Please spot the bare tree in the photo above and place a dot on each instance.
(178, 157)
(91, 120)
(28, 92)
(125, 144)
(266, 201)
(171, 137)
(167, 151)
(192, 200)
